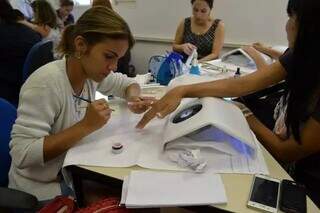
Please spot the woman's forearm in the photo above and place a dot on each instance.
(177, 47)
(283, 150)
(259, 60)
(219, 88)
(55, 145)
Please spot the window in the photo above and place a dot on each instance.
(88, 2)
(82, 2)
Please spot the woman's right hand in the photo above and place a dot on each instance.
(97, 115)
(188, 48)
(163, 107)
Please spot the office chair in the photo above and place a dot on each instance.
(40, 54)
(10, 198)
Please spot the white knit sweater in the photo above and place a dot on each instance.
(46, 107)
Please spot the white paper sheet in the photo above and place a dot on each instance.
(163, 190)
(145, 148)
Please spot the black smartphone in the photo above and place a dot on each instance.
(292, 197)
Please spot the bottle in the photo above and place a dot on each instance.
(194, 67)
(238, 73)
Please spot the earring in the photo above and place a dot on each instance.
(78, 55)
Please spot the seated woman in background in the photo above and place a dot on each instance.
(200, 32)
(45, 21)
(296, 137)
(52, 116)
(15, 42)
(65, 17)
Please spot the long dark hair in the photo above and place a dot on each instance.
(304, 78)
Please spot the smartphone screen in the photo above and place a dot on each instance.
(292, 197)
(265, 192)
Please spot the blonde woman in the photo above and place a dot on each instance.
(51, 118)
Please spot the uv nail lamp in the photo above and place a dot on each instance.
(209, 122)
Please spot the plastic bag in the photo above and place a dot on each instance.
(165, 68)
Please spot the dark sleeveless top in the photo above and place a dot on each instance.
(203, 42)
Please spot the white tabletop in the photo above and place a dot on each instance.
(237, 186)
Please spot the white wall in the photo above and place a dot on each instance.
(245, 21)
(154, 22)
(142, 51)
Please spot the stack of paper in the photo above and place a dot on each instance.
(145, 189)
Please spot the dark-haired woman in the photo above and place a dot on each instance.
(200, 32)
(296, 137)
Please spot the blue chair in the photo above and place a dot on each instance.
(10, 198)
(8, 115)
(40, 54)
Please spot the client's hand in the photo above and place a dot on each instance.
(140, 104)
(163, 107)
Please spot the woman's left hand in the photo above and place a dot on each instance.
(139, 105)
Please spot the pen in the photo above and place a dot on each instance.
(87, 100)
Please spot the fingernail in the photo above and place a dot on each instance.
(130, 103)
(159, 115)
